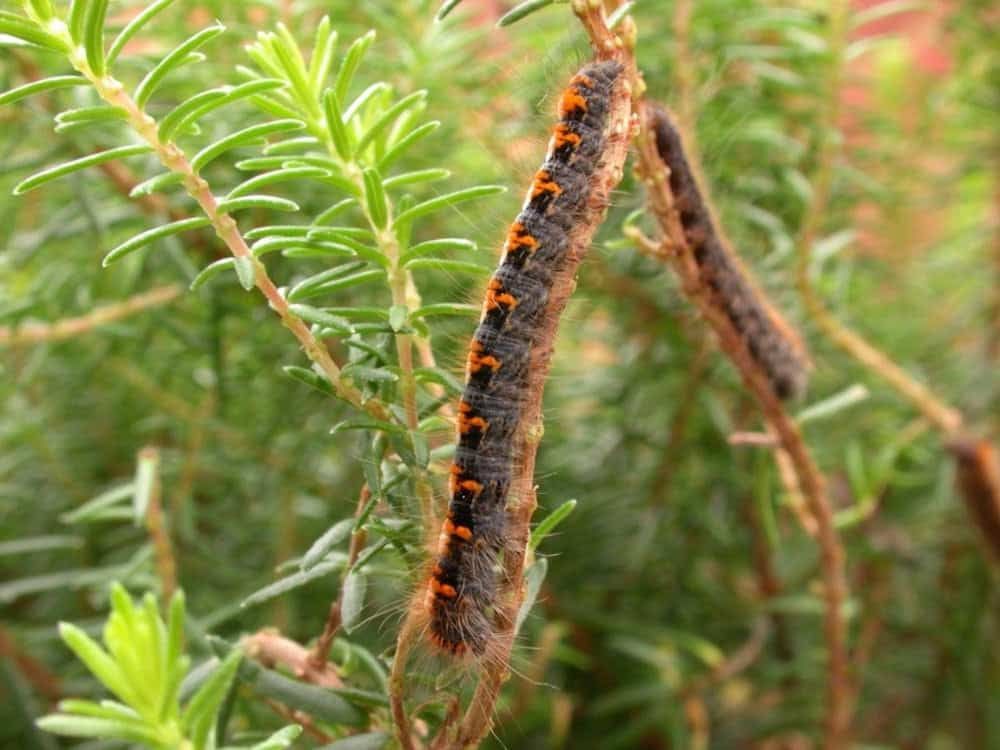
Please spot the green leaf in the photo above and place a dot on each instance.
(210, 271)
(37, 87)
(404, 143)
(548, 525)
(321, 317)
(415, 99)
(522, 10)
(397, 317)
(108, 729)
(88, 115)
(445, 308)
(93, 35)
(313, 287)
(269, 202)
(354, 108)
(291, 146)
(44, 543)
(245, 271)
(342, 139)
(188, 112)
(330, 539)
(834, 404)
(443, 264)
(155, 184)
(417, 176)
(77, 19)
(366, 741)
(355, 586)
(436, 246)
(281, 739)
(41, 8)
(97, 660)
(350, 64)
(242, 138)
(277, 176)
(446, 7)
(533, 579)
(28, 31)
(449, 199)
(133, 27)
(199, 715)
(174, 59)
(360, 373)
(102, 502)
(152, 235)
(310, 378)
(146, 479)
(61, 170)
(320, 703)
(366, 423)
(290, 583)
(375, 200)
(321, 61)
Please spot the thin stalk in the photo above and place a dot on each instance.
(174, 159)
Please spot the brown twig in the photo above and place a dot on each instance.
(34, 671)
(733, 344)
(478, 717)
(272, 649)
(156, 525)
(34, 333)
(321, 651)
(978, 478)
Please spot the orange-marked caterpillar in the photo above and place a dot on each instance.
(772, 343)
(462, 589)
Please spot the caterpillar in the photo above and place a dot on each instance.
(463, 583)
(772, 343)
(978, 478)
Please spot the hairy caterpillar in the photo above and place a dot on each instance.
(771, 341)
(462, 587)
(978, 479)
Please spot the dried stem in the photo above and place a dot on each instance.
(272, 649)
(478, 717)
(34, 333)
(677, 252)
(156, 526)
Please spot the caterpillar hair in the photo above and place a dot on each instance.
(772, 343)
(462, 589)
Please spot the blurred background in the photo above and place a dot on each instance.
(682, 604)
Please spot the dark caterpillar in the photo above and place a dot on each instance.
(771, 342)
(462, 587)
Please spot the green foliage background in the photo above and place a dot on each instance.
(654, 578)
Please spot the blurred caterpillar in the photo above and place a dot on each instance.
(771, 342)
(463, 583)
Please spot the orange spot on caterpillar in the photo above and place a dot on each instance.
(544, 184)
(443, 589)
(518, 239)
(572, 101)
(497, 297)
(462, 532)
(477, 361)
(471, 485)
(563, 136)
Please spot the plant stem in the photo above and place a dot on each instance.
(943, 416)
(174, 159)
